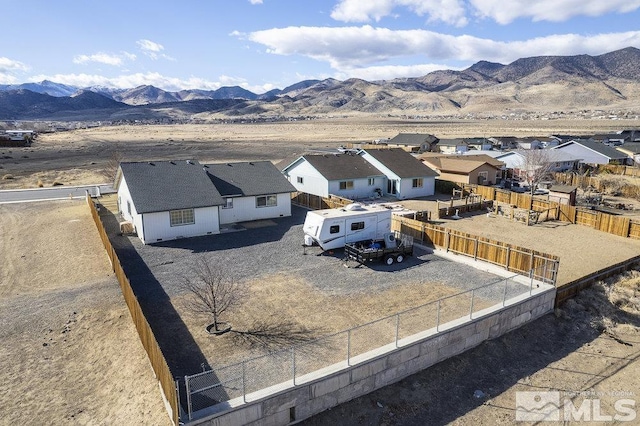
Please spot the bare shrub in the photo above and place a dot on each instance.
(212, 290)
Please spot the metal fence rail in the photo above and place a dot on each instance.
(289, 367)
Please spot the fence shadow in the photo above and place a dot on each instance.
(181, 351)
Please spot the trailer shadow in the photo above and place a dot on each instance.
(419, 258)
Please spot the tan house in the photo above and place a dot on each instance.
(478, 169)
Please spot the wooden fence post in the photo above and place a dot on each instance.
(447, 236)
(506, 266)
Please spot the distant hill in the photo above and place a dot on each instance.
(535, 84)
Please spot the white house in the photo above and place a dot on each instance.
(407, 177)
(168, 200)
(251, 191)
(593, 152)
(452, 146)
(345, 175)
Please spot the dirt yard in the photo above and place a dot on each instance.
(582, 250)
(80, 156)
(70, 353)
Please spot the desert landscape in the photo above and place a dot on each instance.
(82, 156)
(76, 357)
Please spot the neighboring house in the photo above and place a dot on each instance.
(345, 175)
(633, 135)
(477, 169)
(631, 150)
(413, 142)
(503, 142)
(452, 146)
(611, 139)
(528, 143)
(251, 191)
(480, 144)
(167, 200)
(20, 135)
(593, 152)
(515, 162)
(406, 176)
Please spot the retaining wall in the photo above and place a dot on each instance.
(323, 390)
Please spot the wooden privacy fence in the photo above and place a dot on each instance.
(605, 222)
(149, 342)
(316, 202)
(621, 170)
(513, 258)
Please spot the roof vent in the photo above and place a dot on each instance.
(251, 163)
(354, 207)
(172, 162)
(151, 164)
(189, 162)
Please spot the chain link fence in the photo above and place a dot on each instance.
(254, 378)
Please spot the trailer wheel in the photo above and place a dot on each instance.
(389, 260)
(399, 258)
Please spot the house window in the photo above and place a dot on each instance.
(300, 180)
(417, 183)
(346, 184)
(129, 207)
(267, 201)
(483, 177)
(228, 203)
(334, 229)
(182, 217)
(355, 226)
(371, 181)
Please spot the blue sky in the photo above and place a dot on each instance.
(266, 44)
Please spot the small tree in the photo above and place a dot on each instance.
(213, 290)
(537, 166)
(112, 165)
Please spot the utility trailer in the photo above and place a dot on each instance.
(394, 248)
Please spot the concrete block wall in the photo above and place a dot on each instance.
(304, 400)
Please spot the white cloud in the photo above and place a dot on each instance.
(8, 68)
(448, 11)
(505, 12)
(153, 49)
(128, 81)
(104, 58)
(349, 48)
(255, 1)
(389, 72)
(149, 46)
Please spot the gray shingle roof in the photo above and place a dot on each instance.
(412, 139)
(248, 179)
(158, 186)
(342, 166)
(401, 163)
(600, 148)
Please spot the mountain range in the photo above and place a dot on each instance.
(537, 84)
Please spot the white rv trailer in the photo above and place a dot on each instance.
(333, 228)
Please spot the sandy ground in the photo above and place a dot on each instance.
(81, 156)
(582, 250)
(70, 353)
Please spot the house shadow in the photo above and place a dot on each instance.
(181, 351)
(240, 235)
(451, 389)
